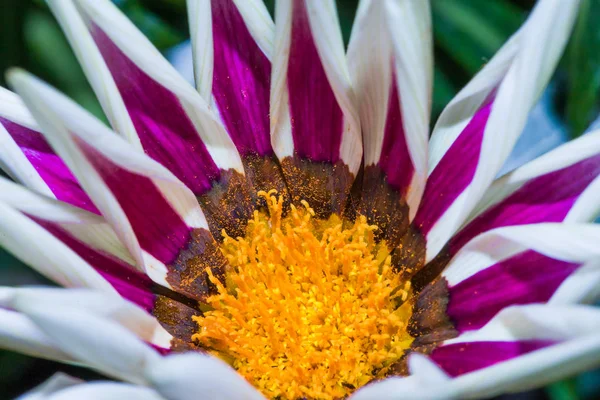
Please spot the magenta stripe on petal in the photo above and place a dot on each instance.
(49, 166)
(241, 80)
(529, 277)
(547, 198)
(158, 228)
(130, 284)
(461, 358)
(165, 130)
(395, 159)
(453, 173)
(317, 119)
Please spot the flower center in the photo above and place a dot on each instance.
(311, 308)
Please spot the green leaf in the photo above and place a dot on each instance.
(583, 70)
(563, 390)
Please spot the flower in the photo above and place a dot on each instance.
(290, 220)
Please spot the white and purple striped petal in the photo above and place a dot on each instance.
(391, 68)
(145, 99)
(560, 186)
(479, 127)
(153, 213)
(27, 157)
(315, 129)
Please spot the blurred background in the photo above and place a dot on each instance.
(467, 33)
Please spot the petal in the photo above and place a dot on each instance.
(18, 333)
(38, 248)
(572, 243)
(212, 379)
(392, 82)
(97, 342)
(27, 157)
(561, 185)
(96, 303)
(232, 44)
(55, 383)
(105, 391)
(156, 229)
(478, 129)
(514, 332)
(315, 128)
(86, 235)
(145, 98)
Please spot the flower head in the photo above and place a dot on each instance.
(288, 224)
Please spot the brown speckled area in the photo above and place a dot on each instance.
(265, 174)
(229, 204)
(324, 185)
(176, 318)
(187, 274)
(383, 206)
(429, 324)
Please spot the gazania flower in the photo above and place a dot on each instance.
(287, 225)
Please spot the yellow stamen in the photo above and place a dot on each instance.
(311, 308)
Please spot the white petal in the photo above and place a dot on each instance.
(97, 342)
(36, 247)
(55, 383)
(126, 314)
(211, 379)
(105, 391)
(567, 242)
(18, 333)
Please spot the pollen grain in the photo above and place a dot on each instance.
(310, 308)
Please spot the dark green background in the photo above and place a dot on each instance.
(467, 33)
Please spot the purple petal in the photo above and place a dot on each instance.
(317, 119)
(241, 81)
(165, 130)
(461, 358)
(158, 228)
(453, 173)
(395, 158)
(547, 198)
(129, 283)
(49, 166)
(529, 277)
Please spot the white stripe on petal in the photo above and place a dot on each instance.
(18, 333)
(87, 227)
(97, 342)
(536, 322)
(12, 159)
(36, 247)
(566, 242)
(211, 378)
(200, 21)
(582, 286)
(259, 23)
(564, 156)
